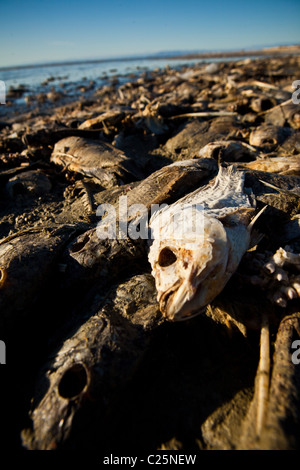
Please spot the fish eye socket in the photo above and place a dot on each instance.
(271, 141)
(73, 381)
(166, 257)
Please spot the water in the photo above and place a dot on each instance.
(33, 77)
(69, 78)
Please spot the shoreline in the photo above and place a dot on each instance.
(54, 92)
(273, 51)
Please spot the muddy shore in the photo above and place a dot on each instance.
(195, 381)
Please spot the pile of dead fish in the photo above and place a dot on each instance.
(95, 355)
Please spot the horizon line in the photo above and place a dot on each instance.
(171, 55)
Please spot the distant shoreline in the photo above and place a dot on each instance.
(267, 51)
(280, 50)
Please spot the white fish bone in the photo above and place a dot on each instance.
(198, 242)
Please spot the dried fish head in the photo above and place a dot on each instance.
(189, 271)
(196, 250)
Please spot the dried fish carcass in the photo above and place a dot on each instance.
(194, 260)
(281, 165)
(195, 134)
(262, 102)
(268, 136)
(284, 114)
(27, 260)
(98, 160)
(29, 182)
(229, 151)
(91, 256)
(88, 371)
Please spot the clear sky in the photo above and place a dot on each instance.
(40, 31)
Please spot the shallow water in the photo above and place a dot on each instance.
(35, 77)
(21, 84)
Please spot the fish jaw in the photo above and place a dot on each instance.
(206, 291)
(238, 239)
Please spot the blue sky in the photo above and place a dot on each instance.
(40, 31)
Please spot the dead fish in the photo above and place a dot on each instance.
(89, 259)
(268, 135)
(192, 266)
(30, 182)
(229, 151)
(262, 103)
(96, 159)
(195, 134)
(286, 113)
(291, 145)
(187, 140)
(282, 165)
(163, 186)
(97, 360)
(27, 260)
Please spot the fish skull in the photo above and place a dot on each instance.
(190, 271)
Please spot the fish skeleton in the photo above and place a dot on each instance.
(192, 266)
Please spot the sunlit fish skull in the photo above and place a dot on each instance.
(192, 258)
